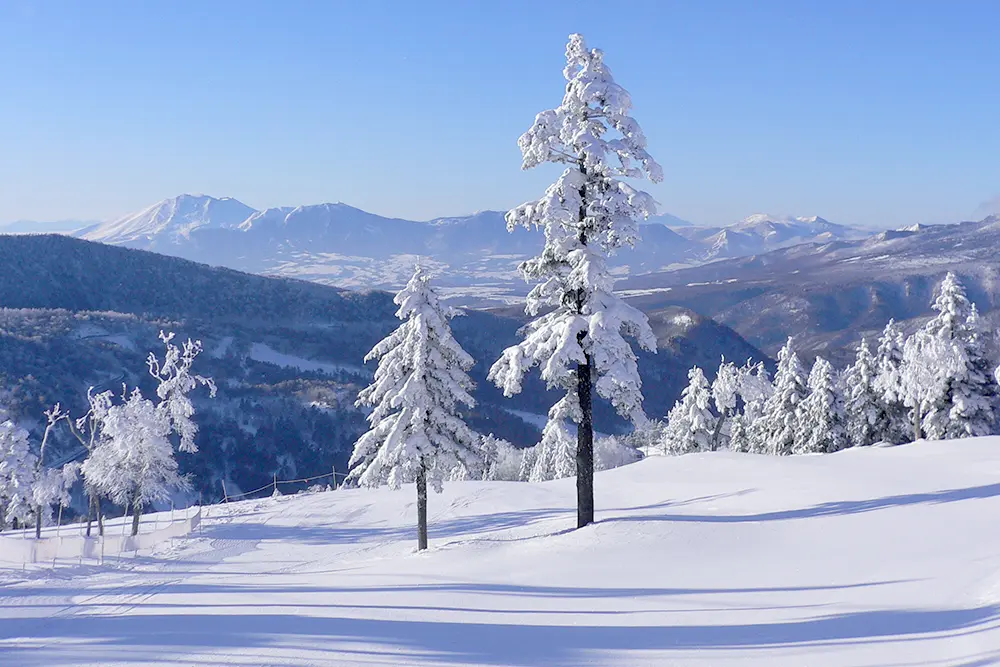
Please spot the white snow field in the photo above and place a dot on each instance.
(877, 557)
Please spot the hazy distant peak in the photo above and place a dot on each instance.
(174, 218)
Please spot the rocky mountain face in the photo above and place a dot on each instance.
(286, 354)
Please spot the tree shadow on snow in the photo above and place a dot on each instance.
(113, 638)
(834, 508)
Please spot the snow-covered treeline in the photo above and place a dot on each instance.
(939, 383)
(130, 441)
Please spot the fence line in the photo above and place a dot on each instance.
(79, 547)
(273, 486)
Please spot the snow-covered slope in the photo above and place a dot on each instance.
(879, 556)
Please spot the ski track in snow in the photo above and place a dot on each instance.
(879, 556)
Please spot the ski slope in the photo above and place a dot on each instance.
(874, 557)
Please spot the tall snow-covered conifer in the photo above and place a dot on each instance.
(960, 400)
(417, 433)
(587, 214)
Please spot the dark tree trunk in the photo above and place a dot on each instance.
(917, 418)
(584, 447)
(136, 515)
(422, 509)
(100, 518)
(90, 512)
(718, 431)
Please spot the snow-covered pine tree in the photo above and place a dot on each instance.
(417, 433)
(965, 401)
(774, 432)
(587, 214)
(864, 411)
(17, 472)
(821, 414)
(725, 394)
(888, 383)
(690, 423)
(754, 389)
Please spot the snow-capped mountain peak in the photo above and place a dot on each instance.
(174, 219)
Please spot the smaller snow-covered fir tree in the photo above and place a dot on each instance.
(888, 384)
(725, 395)
(774, 432)
(821, 413)
(417, 433)
(865, 417)
(690, 423)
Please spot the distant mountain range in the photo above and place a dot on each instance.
(473, 257)
(829, 294)
(765, 276)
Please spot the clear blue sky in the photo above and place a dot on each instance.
(871, 112)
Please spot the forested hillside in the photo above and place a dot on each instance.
(286, 354)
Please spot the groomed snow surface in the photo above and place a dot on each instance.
(877, 557)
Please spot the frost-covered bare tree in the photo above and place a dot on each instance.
(417, 433)
(131, 455)
(755, 389)
(725, 395)
(586, 215)
(133, 464)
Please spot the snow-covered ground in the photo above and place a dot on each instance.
(874, 557)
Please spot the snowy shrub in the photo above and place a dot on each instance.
(503, 460)
(614, 452)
